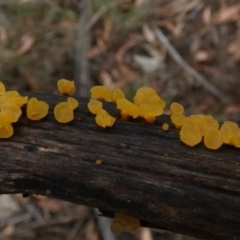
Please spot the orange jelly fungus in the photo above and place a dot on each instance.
(117, 94)
(66, 87)
(147, 95)
(13, 97)
(124, 223)
(2, 88)
(94, 106)
(176, 108)
(63, 112)
(213, 139)
(127, 109)
(190, 135)
(98, 162)
(73, 102)
(103, 119)
(165, 127)
(6, 129)
(228, 130)
(36, 109)
(101, 92)
(236, 138)
(150, 112)
(10, 112)
(178, 120)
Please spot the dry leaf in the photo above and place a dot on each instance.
(232, 109)
(149, 34)
(206, 15)
(202, 56)
(107, 29)
(27, 43)
(106, 79)
(228, 15)
(53, 205)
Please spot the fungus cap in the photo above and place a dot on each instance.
(2, 88)
(176, 108)
(178, 120)
(190, 135)
(236, 138)
(165, 127)
(98, 162)
(101, 92)
(10, 111)
(73, 102)
(63, 112)
(6, 129)
(213, 139)
(117, 94)
(36, 109)
(66, 87)
(122, 222)
(103, 119)
(94, 106)
(146, 95)
(13, 97)
(128, 108)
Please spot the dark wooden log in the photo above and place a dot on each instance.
(146, 173)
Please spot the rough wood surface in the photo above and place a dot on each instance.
(146, 172)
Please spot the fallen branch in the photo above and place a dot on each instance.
(146, 173)
(186, 67)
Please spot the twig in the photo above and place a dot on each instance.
(82, 45)
(183, 64)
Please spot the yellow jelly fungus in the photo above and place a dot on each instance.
(117, 94)
(190, 135)
(176, 108)
(36, 110)
(209, 122)
(150, 112)
(98, 162)
(13, 97)
(236, 138)
(101, 92)
(73, 102)
(227, 131)
(148, 95)
(124, 223)
(10, 111)
(165, 127)
(202, 121)
(127, 109)
(103, 119)
(6, 129)
(2, 88)
(94, 106)
(63, 112)
(213, 139)
(178, 120)
(66, 87)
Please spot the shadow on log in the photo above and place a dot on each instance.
(146, 173)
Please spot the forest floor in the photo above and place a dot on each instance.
(117, 44)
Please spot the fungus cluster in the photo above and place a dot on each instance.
(195, 128)
(124, 223)
(10, 110)
(146, 104)
(63, 111)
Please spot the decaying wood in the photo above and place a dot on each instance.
(145, 173)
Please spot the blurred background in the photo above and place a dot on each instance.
(188, 50)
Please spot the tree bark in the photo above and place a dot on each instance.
(146, 172)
